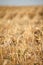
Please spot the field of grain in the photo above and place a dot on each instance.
(21, 35)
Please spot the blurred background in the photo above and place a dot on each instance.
(21, 2)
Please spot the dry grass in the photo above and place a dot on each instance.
(21, 35)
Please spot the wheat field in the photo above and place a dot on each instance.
(21, 35)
